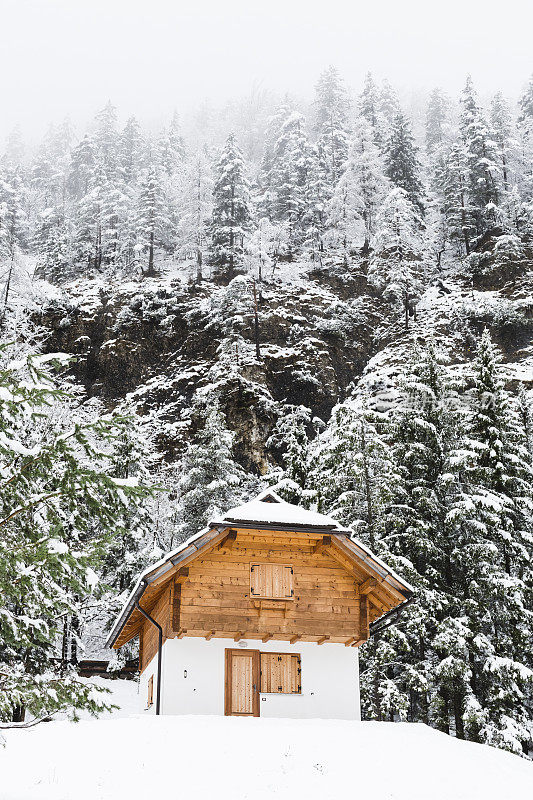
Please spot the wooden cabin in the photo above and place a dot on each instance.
(260, 614)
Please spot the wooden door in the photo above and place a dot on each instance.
(243, 670)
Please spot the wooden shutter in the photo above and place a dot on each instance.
(273, 581)
(150, 690)
(281, 673)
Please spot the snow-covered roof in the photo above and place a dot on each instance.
(270, 509)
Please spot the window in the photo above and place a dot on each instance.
(281, 673)
(271, 581)
(150, 691)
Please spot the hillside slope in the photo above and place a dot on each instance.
(201, 757)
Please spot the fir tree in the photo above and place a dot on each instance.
(331, 112)
(294, 192)
(483, 174)
(231, 221)
(401, 161)
(106, 140)
(458, 213)
(360, 191)
(171, 147)
(397, 263)
(212, 481)
(290, 438)
(437, 123)
(493, 518)
(81, 170)
(368, 108)
(195, 206)
(130, 152)
(151, 216)
(60, 505)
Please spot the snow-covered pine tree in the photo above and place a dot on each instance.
(493, 519)
(359, 192)
(368, 108)
(483, 172)
(352, 473)
(151, 216)
(525, 133)
(212, 481)
(396, 265)
(416, 540)
(457, 211)
(60, 504)
(290, 440)
(331, 126)
(54, 245)
(437, 121)
(171, 146)
(388, 107)
(107, 141)
(81, 169)
(195, 209)
(130, 152)
(295, 184)
(265, 194)
(401, 161)
(231, 219)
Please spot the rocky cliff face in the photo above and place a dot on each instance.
(320, 335)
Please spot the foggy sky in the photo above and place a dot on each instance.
(68, 57)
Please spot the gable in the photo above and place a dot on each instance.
(334, 578)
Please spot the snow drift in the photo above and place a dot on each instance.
(234, 758)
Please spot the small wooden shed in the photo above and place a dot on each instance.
(261, 613)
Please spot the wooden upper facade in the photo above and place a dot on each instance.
(304, 579)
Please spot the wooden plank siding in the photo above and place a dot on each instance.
(217, 594)
(149, 636)
(213, 597)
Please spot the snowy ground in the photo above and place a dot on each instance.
(235, 758)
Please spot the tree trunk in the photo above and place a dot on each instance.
(458, 715)
(256, 326)
(151, 271)
(19, 714)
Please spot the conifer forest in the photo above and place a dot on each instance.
(330, 294)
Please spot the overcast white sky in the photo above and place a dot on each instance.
(68, 57)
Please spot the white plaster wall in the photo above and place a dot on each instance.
(330, 679)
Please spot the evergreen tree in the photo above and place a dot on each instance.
(368, 108)
(194, 201)
(290, 438)
(397, 262)
(352, 473)
(399, 667)
(401, 161)
(106, 140)
(151, 216)
(493, 518)
(483, 175)
(212, 481)
(525, 144)
(130, 152)
(231, 221)
(295, 192)
(53, 242)
(60, 505)
(82, 166)
(331, 124)
(437, 123)
(266, 194)
(388, 107)
(360, 191)
(171, 147)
